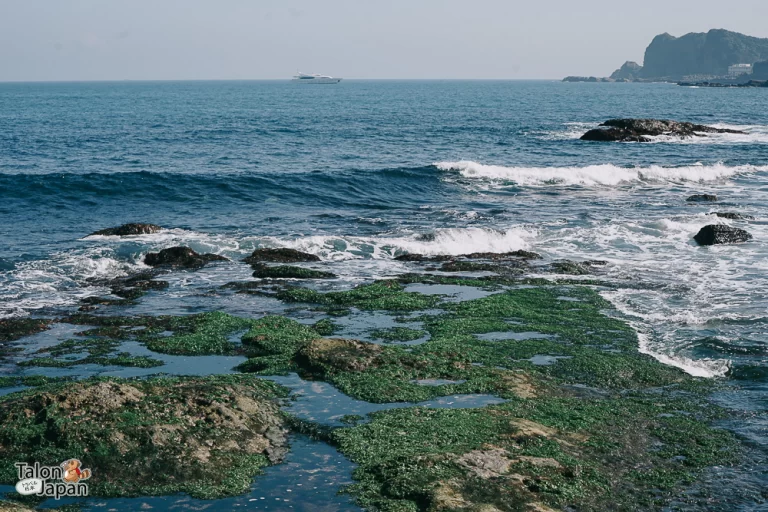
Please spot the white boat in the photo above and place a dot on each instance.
(305, 78)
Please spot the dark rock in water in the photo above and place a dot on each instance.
(613, 135)
(280, 256)
(471, 256)
(721, 234)
(732, 216)
(701, 198)
(180, 257)
(289, 272)
(639, 130)
(129, 230)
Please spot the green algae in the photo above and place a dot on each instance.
(553, 451)
(149, 437)
(325, 327)
(13, 381)
(100, 351)
(12, 329)
(397, 334)
(380, 295)
(198, 334)
(289, 272)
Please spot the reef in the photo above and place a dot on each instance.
(205, 436)
(587, 423)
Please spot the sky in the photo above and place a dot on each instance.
(272, 39)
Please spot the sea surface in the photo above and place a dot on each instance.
(359, 172)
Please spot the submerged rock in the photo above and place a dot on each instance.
(206, 436)
(180, 257)
(281, 255)
(732, 216)
(289, 272)
(640, 130)
(701, 198)
(720, 234)
(131, 229)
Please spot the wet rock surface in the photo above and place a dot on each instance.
(150, 436)
(131, 229)
(477, 336)
(702, 198)
(180, 257)
(281, 255)
(733, 216)
(714, 234)
(640, 130)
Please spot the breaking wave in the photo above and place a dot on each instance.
(597, 175)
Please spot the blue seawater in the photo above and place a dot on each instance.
(364, 170)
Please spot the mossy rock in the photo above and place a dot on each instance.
(289, 272)
(380, 295)
(397, 334)
(12, 329)
(149, 437)
(544, 454)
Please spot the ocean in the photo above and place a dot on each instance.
(360, 172)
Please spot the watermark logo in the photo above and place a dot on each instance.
(66, 479)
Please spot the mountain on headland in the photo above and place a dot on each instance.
(715, 55)
(629, 71)
(701, 54)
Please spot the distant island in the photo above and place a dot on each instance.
(718, 58)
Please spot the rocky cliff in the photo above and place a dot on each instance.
(707, 54)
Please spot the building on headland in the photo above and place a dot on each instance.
(739, 69)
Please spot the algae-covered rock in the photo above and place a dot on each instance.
(12, 329)
(280, 255)
(131, 229)
(380, 295)
(526, 455)
(206, 436)
(289, 272)
(180, 257)
(9, 506)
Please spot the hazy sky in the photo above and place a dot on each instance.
(244, 39)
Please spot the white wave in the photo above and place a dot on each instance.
(452, 241)
(59, 280)
(708, 368)
(597, 175)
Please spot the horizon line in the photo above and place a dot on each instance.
(120, 80)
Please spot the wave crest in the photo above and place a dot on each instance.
(596, 175)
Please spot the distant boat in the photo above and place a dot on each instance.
(304, 78)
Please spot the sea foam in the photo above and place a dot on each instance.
(597, 175)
